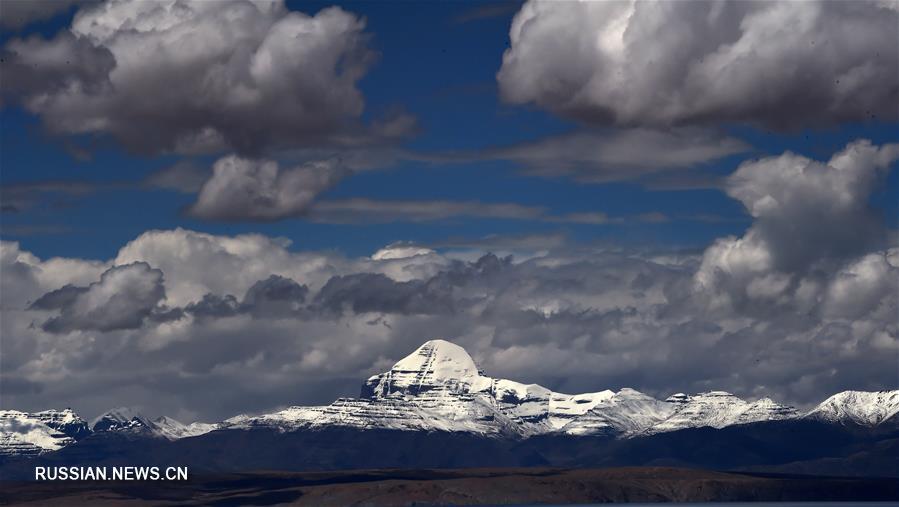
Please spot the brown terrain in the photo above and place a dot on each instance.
(454, 487)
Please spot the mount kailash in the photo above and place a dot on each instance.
(439, 388)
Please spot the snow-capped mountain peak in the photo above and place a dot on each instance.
(65, 421)
(435, 365)
(121, 418)
(173, 429)
(444, 359)
(859, 407)
(27, 434)
(627, 412)
(718, 409)
(128, 420)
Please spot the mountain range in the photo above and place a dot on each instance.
(439, 394)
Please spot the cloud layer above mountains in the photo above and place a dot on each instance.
(202, 326)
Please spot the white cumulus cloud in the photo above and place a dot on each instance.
(658, 63)
(198, 76)
(260, 190)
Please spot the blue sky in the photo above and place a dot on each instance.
(439, 66)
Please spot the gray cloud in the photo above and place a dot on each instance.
(497, 242)
(254, 76)
(260, 190)
(614, 155)
(656, 158)
(375, 292)
(54, 66)
(122, 298)
(788, 195)
(59, 298)
(276, 296)
(214, 306)
(183, 176)
(639, 63)
(782, 256)
(273, 297)
(653, 157)
(363, 210)
(599, 218)
(17, 197)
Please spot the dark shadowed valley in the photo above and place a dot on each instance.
(482, 486)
